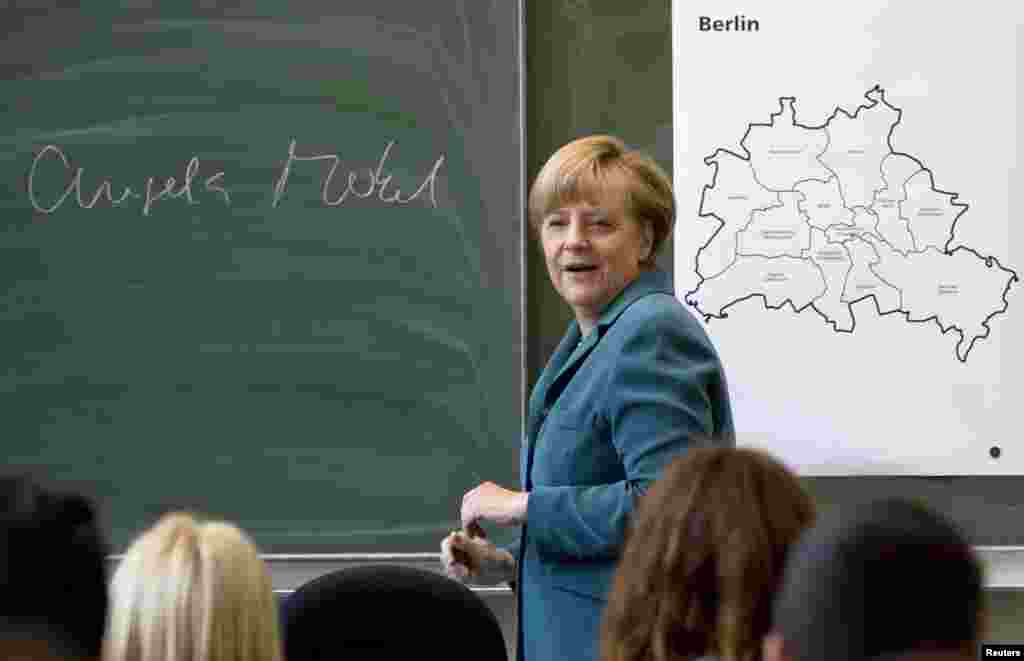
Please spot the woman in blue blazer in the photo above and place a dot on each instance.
(632, 384)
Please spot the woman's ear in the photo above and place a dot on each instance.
(647, 248)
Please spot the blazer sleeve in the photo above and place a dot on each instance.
(656, 401)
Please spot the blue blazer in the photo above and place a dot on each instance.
(605, 417)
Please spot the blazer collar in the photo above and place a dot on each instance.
(648, 282)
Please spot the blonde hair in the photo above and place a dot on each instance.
(599, 168)
(190, 591)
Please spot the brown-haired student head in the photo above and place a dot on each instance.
(705, 556)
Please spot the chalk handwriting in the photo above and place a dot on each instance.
(105, 189)
(377, 180)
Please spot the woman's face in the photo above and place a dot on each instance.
(592, 254)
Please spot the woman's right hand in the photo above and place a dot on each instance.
(476, 560)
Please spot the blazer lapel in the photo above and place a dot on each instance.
(648, 282)
(571, 362)
(566, 358)
(537, 408)
(554, 367)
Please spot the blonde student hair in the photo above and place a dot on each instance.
(192, 591)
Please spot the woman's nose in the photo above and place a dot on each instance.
(577, 235)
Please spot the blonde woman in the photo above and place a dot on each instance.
(634, 382)
(192, 591)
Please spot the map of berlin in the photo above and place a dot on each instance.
(823, 217)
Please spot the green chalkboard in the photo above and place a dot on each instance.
(263, 260)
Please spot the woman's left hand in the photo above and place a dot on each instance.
(490, 502)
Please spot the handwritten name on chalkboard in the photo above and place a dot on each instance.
(376, 181)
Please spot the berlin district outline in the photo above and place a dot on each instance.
(823, 217)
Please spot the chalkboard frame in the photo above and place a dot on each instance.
(516, 214)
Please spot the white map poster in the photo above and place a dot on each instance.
(849, 227)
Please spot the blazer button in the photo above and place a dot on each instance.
(544, 411)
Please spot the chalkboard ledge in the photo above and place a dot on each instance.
(289, 571)
(1004, 567)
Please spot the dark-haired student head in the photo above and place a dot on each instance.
(887, 579)
(705, 554)
(53, 580)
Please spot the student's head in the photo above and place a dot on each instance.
(53, 586)
(192, 591)
(883, 578)
(703, 558)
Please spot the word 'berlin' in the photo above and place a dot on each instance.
(738, 23)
